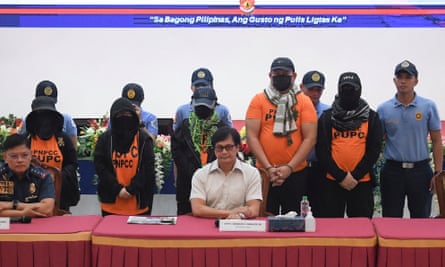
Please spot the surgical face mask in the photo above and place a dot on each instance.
(281, 82)
(203, 112)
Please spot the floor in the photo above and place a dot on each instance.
(165, 204)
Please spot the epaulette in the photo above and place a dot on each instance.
(38, 172)
(3, 169)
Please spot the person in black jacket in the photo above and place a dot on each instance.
(191, 143)
(348, 145)
(52, 147)
(124, 162)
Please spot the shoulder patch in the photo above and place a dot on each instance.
(3, 169)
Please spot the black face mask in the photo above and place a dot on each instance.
(203, 112)
(349, 97)
(123, 130)
(281, 82)
(45, 128)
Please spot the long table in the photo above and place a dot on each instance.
(55, 241)
(410, 242)
(197, 242)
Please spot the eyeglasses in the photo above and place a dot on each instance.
(17, 156)
(228, 148)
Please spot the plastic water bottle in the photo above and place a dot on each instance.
(304, 206)
(309, 222)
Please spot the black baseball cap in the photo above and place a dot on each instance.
(408, 67)
(350, 78)
(47, 88)
(313, 78)
(133, 92)
(282, 63)
(204, 96)
(202, 76)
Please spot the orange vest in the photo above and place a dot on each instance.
(348, 149)
(125, 166)
(47, 151)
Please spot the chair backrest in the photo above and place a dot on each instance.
(56, 175)
(440, 191)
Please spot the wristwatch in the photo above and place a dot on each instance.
(242, 215)
(15, 204)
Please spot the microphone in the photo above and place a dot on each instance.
(22, 219)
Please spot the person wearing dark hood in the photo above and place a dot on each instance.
(281, 125)
(135, 93)
(124, 162)
(53, 147)
(191, 143)
(348, 145)
(49, 89)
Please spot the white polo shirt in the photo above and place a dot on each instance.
(226, 192)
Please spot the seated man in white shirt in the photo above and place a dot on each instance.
(227, 187)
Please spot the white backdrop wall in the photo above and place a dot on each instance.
(91, 65)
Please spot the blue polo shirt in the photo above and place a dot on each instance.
(183, 112)
(151, 122)
(320, 107)
(407, 127)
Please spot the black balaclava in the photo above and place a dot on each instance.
(124, 124)
(349, 96)
(45, 125)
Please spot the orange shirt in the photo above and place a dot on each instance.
(125, 166)
(348, 149)
(277, 150)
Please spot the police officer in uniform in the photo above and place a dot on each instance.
(25, 190)
(313, 85)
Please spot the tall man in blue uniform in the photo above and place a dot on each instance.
(201, 77)
(313, 85)
(407, 121)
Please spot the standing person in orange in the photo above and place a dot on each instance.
(53, 147)
(124, 162)
(348, 145)
(281, 128)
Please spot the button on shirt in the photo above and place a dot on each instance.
(226, 192)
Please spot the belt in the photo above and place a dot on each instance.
(407, 165)
(311, 164)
